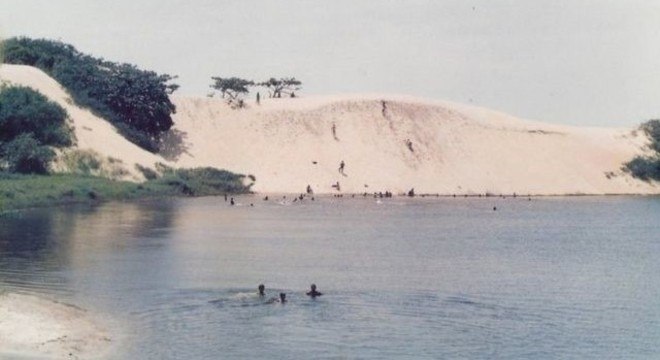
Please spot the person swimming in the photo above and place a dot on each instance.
(262, 290)
(313, 293)
(282, 298)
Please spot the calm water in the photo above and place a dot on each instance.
(423, 278)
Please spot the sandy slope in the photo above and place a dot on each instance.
(91, 131)
(33, 327)
(288, 144)
(455, 148)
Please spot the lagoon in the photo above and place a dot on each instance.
(555, 277)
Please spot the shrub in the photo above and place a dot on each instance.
(82, 162)
(648, 168)
(29, 124)
(25, 111)
(644, 168)
(25, 154)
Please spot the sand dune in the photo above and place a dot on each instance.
(387, 142)
(91, 131)
(397, 143)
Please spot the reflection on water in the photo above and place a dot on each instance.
(423, 278)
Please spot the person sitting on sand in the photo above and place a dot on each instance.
(262, 290)
(313, 293)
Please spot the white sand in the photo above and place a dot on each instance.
(457, 148)
(34, 327)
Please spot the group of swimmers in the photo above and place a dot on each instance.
(313, 293)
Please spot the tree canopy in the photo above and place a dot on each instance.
(232, 88)
(136, 101)
(282, 85)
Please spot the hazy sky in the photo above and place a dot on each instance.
(564, 61)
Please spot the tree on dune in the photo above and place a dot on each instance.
(232, 89)
(282, 85)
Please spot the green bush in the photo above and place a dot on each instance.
(25, 111)
(25, 155)
(648, 168)
(29, 124)
(135, 101)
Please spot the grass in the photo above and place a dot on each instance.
(27, 191)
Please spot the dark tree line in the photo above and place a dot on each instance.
(136, 101)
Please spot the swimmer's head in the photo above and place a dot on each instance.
(282, 297)
(313, 287)
(261, 289)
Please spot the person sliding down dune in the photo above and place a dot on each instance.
(313, 293)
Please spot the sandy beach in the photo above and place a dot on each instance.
(36, 327)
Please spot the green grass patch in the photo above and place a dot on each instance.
(26, 191)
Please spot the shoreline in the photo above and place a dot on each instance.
(36, 326)
(40, 204)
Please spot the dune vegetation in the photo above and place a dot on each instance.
(648, 167)
(40, 163)
(135, 101)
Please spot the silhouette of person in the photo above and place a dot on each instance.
(258, 98)
(282, 298)
(313, 293)
(341, 167)
(262, 290)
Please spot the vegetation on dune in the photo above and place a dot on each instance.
(648, 168)
(22, 191)
(30, 125)
(283, 85)
(135, 101)
(234, 88)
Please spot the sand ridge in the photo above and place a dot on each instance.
(396, 143)
(388, 143)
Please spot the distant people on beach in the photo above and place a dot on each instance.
(258, 98)
(334, 131)
(231, 202)
(342, 164)
(313, 293)
(309, 189)
(411, 193)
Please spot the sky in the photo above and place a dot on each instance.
(578, 62)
